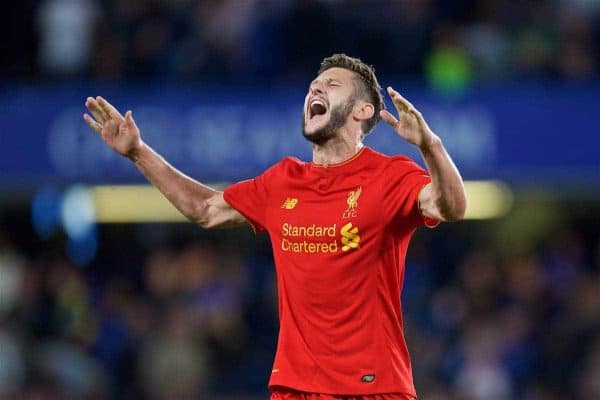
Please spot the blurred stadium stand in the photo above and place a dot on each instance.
(500, 308)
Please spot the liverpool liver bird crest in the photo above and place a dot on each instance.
(352, 203)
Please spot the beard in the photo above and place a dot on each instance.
(338, 116)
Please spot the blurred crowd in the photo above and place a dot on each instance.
(169, 322)
(170, 312)
(248, 40)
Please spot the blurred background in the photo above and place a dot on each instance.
(106, 293)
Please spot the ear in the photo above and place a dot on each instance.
(363, 111)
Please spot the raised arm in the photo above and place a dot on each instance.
(196, 201)
(444, 198)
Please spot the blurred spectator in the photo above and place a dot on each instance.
(12, 364)
(448, 66)
(66, 31)
(12, 265)
(576, 59)
(75, 370)
(481, 281)
(308, 33)
(589, 383)
(482, 375)
(488, 47)
(173, 364)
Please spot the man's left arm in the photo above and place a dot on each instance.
(444, 198)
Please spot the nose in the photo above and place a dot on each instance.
(316, 87)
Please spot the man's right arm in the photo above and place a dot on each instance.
(194, 200)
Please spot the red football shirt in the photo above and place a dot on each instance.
(339, 235)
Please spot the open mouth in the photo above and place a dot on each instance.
(316, 107)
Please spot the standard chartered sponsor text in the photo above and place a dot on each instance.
(309, 232)
(309, 247)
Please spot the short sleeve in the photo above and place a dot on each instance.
(250, 197)
(404, 180)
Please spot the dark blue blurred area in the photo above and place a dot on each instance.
(507, 308)
(520, 132)
(276, 40)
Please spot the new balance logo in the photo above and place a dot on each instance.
(350, 237)
(289, 203)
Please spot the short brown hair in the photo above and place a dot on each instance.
(368, 89)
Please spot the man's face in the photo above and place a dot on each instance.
(328, 104)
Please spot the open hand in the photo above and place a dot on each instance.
(410, 124)
(118, 132)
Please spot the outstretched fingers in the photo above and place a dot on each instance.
(129, 118)
(96, 126)
(389, 118)
(95, 109)
(108, 108)
(401, 104)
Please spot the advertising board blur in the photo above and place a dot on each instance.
(520, 133)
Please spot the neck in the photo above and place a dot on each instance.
(336, 150)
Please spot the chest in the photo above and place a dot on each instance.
(312, 207)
